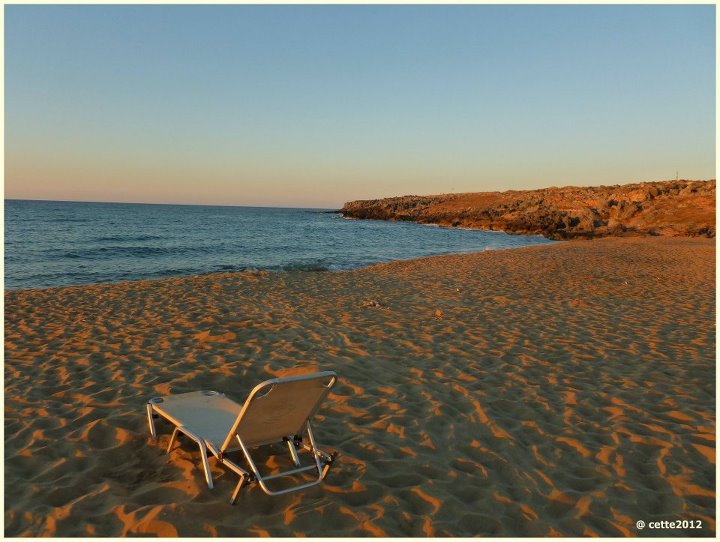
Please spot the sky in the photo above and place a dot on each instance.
(312, 106)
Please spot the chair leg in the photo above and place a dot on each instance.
(328, 464)
(203, 452)
(172, 439)
(238, 487)
(245, 477)
(293, 453)
(206, 465)
(316, 455)
(151, 424)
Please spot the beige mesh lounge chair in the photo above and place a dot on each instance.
(277, 411)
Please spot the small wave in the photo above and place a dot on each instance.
(499, 233)
(134, 238)
(70, 219)
(303, 267)
(229, 268)
(283, 267)
(138, 251)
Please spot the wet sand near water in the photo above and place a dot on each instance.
(565, 389)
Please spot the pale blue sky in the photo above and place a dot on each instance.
(316, 105)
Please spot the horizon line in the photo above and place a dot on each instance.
(173, 204)
(338, 209)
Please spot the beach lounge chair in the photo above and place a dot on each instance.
(276, 411)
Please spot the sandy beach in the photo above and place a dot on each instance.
(566, 389)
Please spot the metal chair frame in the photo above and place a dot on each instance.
(321, 460)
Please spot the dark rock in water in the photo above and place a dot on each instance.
(671, 208)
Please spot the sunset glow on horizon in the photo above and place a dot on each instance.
(312, 106)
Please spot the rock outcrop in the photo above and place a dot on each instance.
(672, 208)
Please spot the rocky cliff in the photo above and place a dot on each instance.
(673, 208)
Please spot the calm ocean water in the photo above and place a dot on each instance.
(50, 243)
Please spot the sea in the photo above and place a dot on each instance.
(59, 243)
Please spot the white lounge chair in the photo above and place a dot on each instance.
(276, 411)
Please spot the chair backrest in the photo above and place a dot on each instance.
(279, 408)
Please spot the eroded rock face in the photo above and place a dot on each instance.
(672, 208)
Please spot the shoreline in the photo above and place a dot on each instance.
(557, 389)
(270, 271)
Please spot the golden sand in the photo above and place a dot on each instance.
(565, 389)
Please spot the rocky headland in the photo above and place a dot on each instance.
(668, 208)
